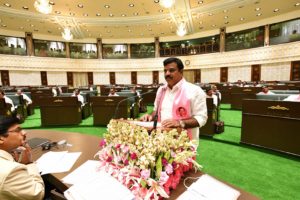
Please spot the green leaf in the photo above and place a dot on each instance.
(158, 166)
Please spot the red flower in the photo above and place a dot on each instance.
(164, 161)
(102, 143)
(133, 156)
(109, 159)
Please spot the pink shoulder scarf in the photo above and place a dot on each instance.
(181, 108)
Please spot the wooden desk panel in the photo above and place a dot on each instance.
(89, 146)
(272, 124)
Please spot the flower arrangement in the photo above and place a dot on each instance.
(149, 165)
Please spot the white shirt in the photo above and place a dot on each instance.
(54, 92)
(215, 99)
(8, 100)
(27, 99)
(80, 98)
(198, 105)
(113, 95)
(293, 97)
(269, 92)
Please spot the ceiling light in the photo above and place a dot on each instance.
(156, 1)
(43, 6)
(242, 18)
(161, 10)
(3, 25)
(166, 3)
(57, 12)
(210, 14)
(258, 14)
(131, 5)
(201, 22)
(80, 5)
(225, 11)
(297, 4)
(123, 15)
(181, 29)
(31, 25)
(21, 27)
(226, 17)
(51, 3)
(66, 34)
(106, 6)
(276, 10)
(7, 5)
(257, 9)
(72, 14)
(98, 14)
(200, 2)
(25, 7)
(111, 15)
(85, 14)
(213, 25)
(136, 13)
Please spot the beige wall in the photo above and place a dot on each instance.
(57, 78)
(276, 71)
(24, 78)
(101, 78)
(239, 73)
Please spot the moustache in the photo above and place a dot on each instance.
(170, 77)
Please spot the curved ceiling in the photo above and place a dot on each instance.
(119, 19)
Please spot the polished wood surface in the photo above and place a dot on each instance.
(89, 146)
(272, 124)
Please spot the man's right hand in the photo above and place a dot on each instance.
(23, 154)
(146, 118)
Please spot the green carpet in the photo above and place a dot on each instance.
(265, 174)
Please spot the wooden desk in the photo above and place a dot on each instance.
(272, 124)
(89, 146)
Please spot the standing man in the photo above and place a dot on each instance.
(177, 97)
(19, 177)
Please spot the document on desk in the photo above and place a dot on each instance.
(101, 186)
(83, 173)
(145, 124)
(209, 188)
(57, 162)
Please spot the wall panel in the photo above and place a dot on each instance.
(101, 78)
(144, 77)
(123, 77)
(24, 78)
(276, 71)
(239, 73)
(210, 75)
(57, 78)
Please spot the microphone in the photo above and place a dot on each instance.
(140, 95)
(155, 119)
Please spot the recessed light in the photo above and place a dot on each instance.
(131, 5)
(200, 2)
(257, 9)
(161, 10)
(136, 14)
(21, 27)
(201, 22)
(31, 25)
(72, 14)
(226, 17)
(3, 25)
(225, 11)
(156, 1)
(85, 14)
(108, 31)
(7, 5)
(150, 29)
(297, 4)
(276, 10)
(25, 7)
(57, 12)
(162, 33)
(51, 3)
(87, 30)
(242, 18)
(80, 5)
(106, 6)
(129, 30)
(213, 25)
(210, 14)
(258, 14)
(59, 28)
(98, 14)
(111, 15)
(123, 15)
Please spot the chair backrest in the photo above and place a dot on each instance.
(285, 91)
(272, 96)
(17, 100)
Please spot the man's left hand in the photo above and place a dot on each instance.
(170, 123)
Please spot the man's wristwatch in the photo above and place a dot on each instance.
(182, 124)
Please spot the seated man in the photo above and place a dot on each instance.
(25, 97)
(179, 104)
(7, 100)
(79, 96)
(112, 92)
(19, 177)
(265, 90)
(293, 97)
(54, 91)
(216, 92)
(210, 94)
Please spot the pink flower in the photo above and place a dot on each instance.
(174, 164)
(169, 169)
(163, 178)
(133, 156)
(118, 146)
(109, 159)
(145, 174)
(164, 161)
(126, 162)
(125, 149)
(102, 143)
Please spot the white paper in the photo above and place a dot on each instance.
(145, 124)
(56, 162)
(101, 186)
(209, 188)
(83, 173)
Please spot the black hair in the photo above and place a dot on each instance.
(174, 60)
(6, 122)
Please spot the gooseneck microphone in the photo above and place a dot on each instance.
(118, 105)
